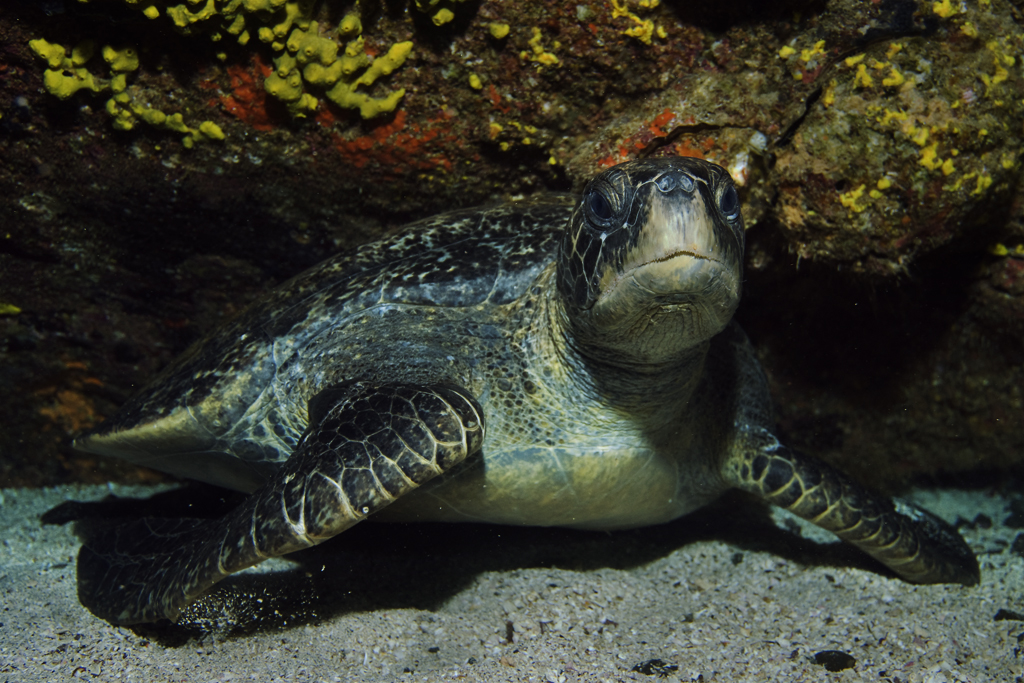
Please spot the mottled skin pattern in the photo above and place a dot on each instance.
(545, 365)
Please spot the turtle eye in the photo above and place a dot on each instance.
(606, 200)
(599, 206)
(729, 202)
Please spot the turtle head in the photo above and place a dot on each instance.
(652, 261)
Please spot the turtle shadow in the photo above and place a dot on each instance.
(374, 567)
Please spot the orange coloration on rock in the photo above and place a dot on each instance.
(401, 147)
(71, 411)
(325, 117)
(660, 121)
(641, 140)
(684, 149)
(248, 99)
(495, 98)
(812, 75)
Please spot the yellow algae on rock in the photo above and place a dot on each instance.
(183, 17)
(322, 76)
(285, 83)
(295, 14)
(644, 29)
(998, 249)
(828, 98)
(211, 130)
(345, 95)
(862, 78)
(849, 199)
(153, 117)
(895, 78)
(537, 52)
(983, 183)
(121, 60)
(53, 53)
(308, 46)
(310, 59)
(498, 30)
(70, 75)
(355, 58)
(66, 82)
(82, 53)
(123, 119)
(930, 157)
(262, 5)
(812, 52)
(176, 122)
(999, 59)
(440, 10)
(350, 26)
(944, 8)
(66, 75)
(303, 55)
(443, 16)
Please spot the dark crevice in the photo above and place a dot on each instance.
(787, 135)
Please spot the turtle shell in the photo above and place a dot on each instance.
(420, 305)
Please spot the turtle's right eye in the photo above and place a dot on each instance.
(600, 207)
(606, 200)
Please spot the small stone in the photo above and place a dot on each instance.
(1016, 518)
(655, 667)
(1017, 547)
(1008, 615)
(834, 660)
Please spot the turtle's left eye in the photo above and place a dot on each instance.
(729, 202)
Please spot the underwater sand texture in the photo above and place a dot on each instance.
(722, 595)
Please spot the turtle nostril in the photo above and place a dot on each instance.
(671, 181)
(666, 183)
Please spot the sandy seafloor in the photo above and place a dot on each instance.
(731, 593)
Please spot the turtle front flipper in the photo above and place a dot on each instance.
(365, 446)
(914, 543)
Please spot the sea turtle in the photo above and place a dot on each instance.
(539, 364)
